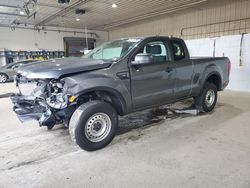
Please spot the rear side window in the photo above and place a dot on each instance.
(179, 52)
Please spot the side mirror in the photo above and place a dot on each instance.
(142, 59)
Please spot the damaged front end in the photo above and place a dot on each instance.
(43, 100)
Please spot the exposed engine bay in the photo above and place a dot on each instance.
(44, 100)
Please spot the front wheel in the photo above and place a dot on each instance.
(208, 98)
(3, 78)
(93, 125)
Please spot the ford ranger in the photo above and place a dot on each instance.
(120, 77)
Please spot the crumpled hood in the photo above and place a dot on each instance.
(58, 67)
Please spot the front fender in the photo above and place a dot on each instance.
(87, 82)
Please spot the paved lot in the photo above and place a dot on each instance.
(211, 150)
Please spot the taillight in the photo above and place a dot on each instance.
(229, 68)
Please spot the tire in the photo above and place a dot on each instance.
(93, 125)
(208, 98)
(3, 78)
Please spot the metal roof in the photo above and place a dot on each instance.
(99, 13)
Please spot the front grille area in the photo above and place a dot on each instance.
(26, 89)
(25, 86)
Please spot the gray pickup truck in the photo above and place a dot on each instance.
(120, 77)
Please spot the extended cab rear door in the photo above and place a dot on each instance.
(183, 68)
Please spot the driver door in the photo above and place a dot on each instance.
(152, 83)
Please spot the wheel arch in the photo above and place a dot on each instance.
(5, 74)
(215, 78)
(106, 94)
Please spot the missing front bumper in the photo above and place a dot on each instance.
(29, 109)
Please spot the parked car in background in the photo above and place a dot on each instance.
(8, 71)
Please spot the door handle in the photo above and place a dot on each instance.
(169, 69)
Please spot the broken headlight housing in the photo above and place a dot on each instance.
(57, 94)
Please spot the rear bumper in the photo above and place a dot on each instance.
(29, 109)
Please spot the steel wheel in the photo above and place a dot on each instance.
(3, 78)
(93, 125)
(207, 99)
(98, 127)
(210, 98)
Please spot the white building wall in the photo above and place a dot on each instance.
(228, 46)
(30, 40)
(244, 70)
(201, 47)
(214, 16)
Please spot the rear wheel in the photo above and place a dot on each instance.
(93, 125)
(208, 98)
(3, 78)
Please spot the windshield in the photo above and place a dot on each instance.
(112, 50)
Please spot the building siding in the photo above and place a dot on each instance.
(230, 17)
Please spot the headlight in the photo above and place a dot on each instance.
(31, 88)
(57, 94)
